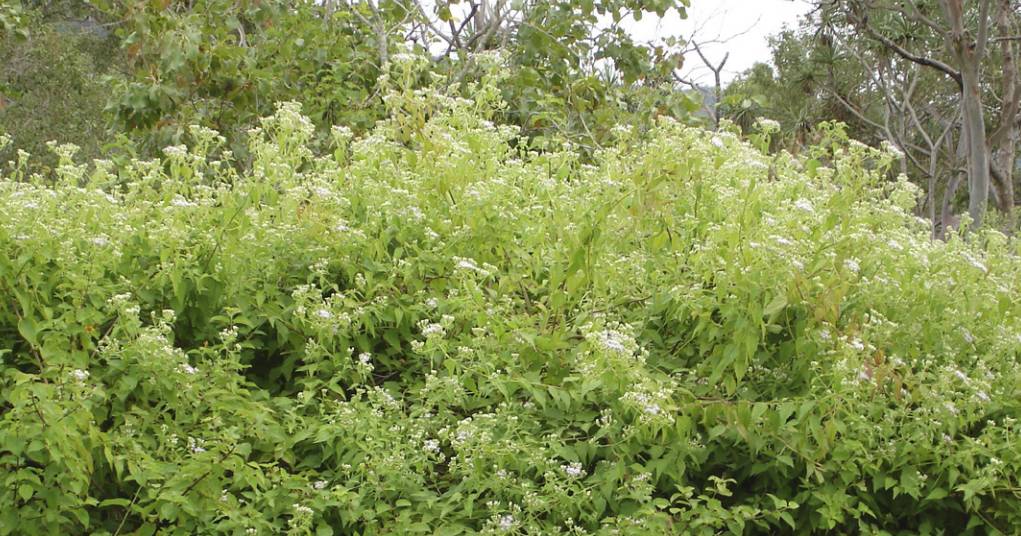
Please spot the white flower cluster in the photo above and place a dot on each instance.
(767, 125)
(365, 365)
(180, 202)
(302, 519)
(892, 150)
(341, 135)
(507, 522)
(175, 151)
(573, 470)
(804, 205)
(652, 406)
(196, 445)
(432, 330)
(431, 446)
(614, 340)
(469, 265)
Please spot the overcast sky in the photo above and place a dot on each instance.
(754, 20)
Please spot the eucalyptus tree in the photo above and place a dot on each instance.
(937, 79)
(970, 47)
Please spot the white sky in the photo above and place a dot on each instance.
(754, 20)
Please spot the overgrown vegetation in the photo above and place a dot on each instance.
(435, 328)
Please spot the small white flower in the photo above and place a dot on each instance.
(783, 241)
(507, 522)
(319, 484)
(950, 407)
(892, 150)
(431, 329)
(341, 132)
(175, 151)
(179, 201)
(573, 470)
(976, 263)
(195, 445)
(470, 265)
(805, 205)
(80, 375)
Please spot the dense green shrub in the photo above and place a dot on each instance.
(437, 330)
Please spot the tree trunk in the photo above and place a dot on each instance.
(969, 57)
(1003, 140)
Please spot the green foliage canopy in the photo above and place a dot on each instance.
(223, 63)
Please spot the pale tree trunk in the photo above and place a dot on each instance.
(1003, 141)
(969, 54)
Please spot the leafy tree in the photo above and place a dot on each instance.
(223, 63)
(574, 69)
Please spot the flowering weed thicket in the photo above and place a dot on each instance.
(434, 330)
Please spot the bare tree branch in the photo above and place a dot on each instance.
(921, 60)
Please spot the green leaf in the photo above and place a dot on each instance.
(775, 305)
(937, 494)
(118, 502)
(25, 491)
